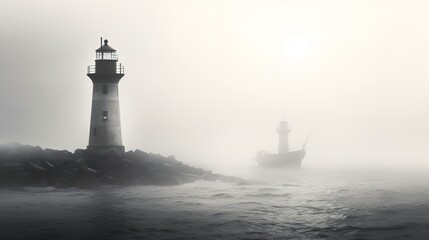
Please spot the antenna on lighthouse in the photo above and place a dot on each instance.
(101, 41)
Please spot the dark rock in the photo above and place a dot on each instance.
(24, 165)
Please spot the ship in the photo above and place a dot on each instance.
(285, 158)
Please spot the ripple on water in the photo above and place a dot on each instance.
(222, 195)
(268, 195)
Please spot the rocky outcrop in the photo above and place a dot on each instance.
(23, 165)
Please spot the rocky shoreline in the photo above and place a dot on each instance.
(24, 166)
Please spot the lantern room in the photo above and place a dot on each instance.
(106, 52)
(105, 62)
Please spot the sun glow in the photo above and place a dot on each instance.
(296, 46)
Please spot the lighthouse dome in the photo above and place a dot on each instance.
(105, 47)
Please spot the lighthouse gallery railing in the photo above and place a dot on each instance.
(119, 69)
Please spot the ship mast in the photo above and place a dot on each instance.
(283, 132)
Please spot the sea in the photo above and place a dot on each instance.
(274, 204)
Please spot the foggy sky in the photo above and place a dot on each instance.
(208, 81)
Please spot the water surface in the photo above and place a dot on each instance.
(283, 204)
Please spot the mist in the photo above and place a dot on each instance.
(208, 81)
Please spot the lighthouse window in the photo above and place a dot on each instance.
(105, 89)
(104, 116)
(94, 131)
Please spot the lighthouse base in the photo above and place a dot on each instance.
(104, 149)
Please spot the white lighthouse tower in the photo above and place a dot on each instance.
(283, 132)
(105, 128)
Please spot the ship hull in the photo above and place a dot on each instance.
(284, 160)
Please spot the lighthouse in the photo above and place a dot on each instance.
(283, 132)
(105, 126)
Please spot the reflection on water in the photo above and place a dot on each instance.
(287, 204)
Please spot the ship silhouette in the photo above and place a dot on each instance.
(285, 158)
